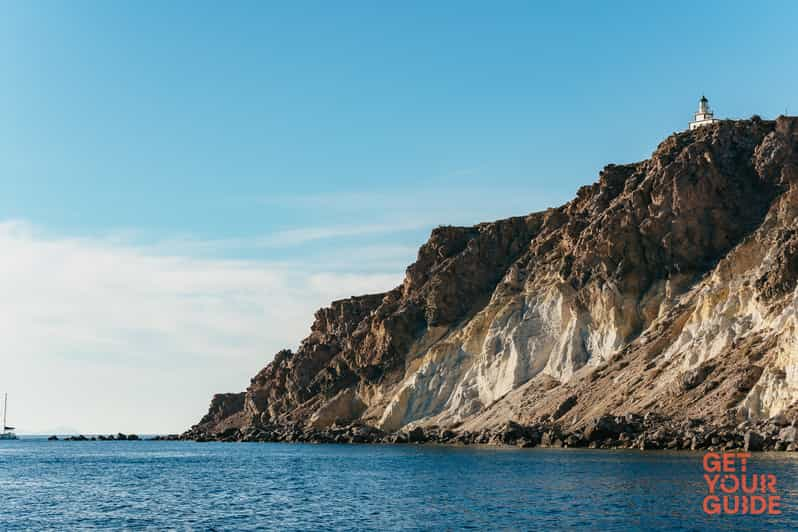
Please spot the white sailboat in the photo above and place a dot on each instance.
(8, 432)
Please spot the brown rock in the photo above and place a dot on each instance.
(636, 252)
(753, 441)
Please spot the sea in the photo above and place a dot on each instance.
(167, 485)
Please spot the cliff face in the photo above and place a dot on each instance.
(669, 286)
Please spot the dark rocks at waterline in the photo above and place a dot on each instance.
(111, 437)
(631, 431)
(753, 441)
(417, 435)
(165, 437)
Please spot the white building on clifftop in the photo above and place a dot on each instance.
(704, 116)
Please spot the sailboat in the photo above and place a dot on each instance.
(8, 432)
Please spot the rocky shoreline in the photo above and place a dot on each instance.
(111, 437)
(632, 431)
(650, 432)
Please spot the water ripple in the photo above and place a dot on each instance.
(183, 485)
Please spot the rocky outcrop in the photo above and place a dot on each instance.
(667, 289)
(119, 437)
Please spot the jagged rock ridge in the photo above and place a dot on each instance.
(668, 287)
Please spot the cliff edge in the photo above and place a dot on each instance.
(663, 297)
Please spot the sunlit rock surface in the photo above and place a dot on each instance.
(669, 286)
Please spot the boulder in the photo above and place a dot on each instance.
(564, 407)
(602, 428)
(416, 435)
(780, 420)
(551, 439)
(788, 434)
(692, 378)
(574, 440)
(646, 444)
(510, 432)
(753, 441)
(695, 422)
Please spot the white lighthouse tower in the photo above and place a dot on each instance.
(704, 116)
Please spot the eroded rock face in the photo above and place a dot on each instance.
(225, 409)
(669, 286)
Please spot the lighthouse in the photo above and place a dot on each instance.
(704, 116)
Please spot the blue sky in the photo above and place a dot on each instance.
(256, 160)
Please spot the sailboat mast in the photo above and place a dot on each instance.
(5, 408)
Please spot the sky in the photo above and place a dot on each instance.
(183, 183)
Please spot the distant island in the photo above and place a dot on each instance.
(655, 310)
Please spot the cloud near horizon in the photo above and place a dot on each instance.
(106, 335)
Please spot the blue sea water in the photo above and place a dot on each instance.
(271, 486)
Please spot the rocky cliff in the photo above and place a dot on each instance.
(663, 297)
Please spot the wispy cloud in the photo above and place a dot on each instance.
(287, 238)
(108, 335)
